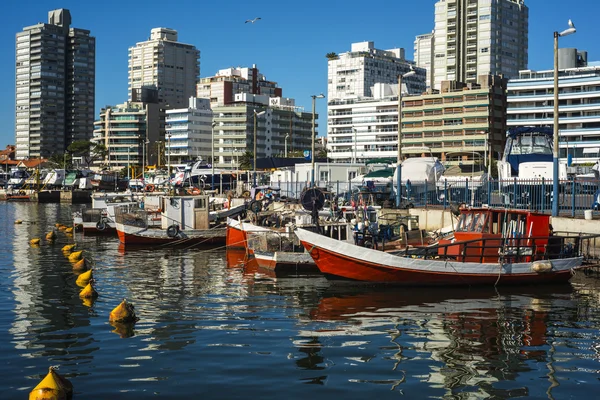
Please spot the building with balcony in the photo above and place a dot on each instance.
(131, 134)
(55, 86)
(531, 103)
(478, 37)
(222, 88)
(459, 125)
(163, 63)
(353, 74)
(188, 133)
(283, 125)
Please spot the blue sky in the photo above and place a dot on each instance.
(288, 44)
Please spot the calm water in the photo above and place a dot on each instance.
(212, 327)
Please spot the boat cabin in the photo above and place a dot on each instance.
(501, 230)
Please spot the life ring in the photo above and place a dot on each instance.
(149, 187)
(172, 230)
(226, 205)
(101, 225)
(194, 191)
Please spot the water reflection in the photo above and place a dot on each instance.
(470, 339)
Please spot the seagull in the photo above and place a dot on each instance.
(571, 25)
(252, 20)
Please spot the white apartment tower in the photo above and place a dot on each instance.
(424, 55)
(479, 37)
(163, 63)
(55, 83)
(353, 74)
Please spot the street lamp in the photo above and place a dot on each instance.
(254, 166)
(555, 177)
(355, 145)
(169, 162)
(287, 136)
(399, 158)
(212, 156)
(312, 150)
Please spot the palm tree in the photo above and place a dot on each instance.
(332, 56)
(246, 161)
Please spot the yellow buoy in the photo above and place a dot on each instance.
(51, 235)
(124, 312)
(34, 242)
(75, 256)
(57, 225)
(69, 247)
(52, 387)
(88, 292)
(83, 279)
(69, 230)
(88, 301)
(18, 222)
(80, 265)
(62, 228)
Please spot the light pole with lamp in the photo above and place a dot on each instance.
(312, 150)
(555, 150)
(355, 145)
(256, 114)
(399, 158)
(287, 136)
(169, 162)
(212, 156)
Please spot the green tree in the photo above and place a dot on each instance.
(247, 161)
(88, 151)
(332, 56)
(321, 153)
(62, 161)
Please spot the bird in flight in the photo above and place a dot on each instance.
(252, 20)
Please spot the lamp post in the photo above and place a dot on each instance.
(399, 158)
(312, 150)
(555, 150)
(287, 136)
(355, 145)
(254, 166)
(212, 156)
(169, 162)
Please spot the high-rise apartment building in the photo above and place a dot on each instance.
(163, 63)
(479, 37)
(55, 78)
(353, 74)
(424, 56)
(222, 88)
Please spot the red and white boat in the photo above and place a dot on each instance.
(491, 247)
(237, 233)
(185, 221)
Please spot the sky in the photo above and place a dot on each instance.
(288, 44)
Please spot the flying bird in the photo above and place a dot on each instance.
(252, 20)
(571, 24)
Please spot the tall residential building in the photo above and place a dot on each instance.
(531, 103)
(283, 125)
(465, 119)
(353, 74)
(163, 63)
(222, 88)
(479, 37)
(55, 78)
(424, 56)
(189, 132)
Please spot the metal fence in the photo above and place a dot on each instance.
(575, 196)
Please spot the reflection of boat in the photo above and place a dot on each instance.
(492, 247)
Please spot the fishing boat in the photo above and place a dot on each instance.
(490, 247)
(185, 221)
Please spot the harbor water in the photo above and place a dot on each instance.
(212, 325)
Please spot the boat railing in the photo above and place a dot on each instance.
(512, 249)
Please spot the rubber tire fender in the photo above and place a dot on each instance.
(101, 225)
(172, 231)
